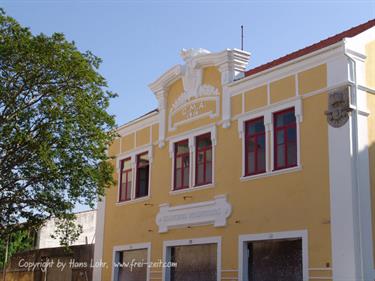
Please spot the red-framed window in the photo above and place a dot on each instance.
(181, 164)
(255, 147)
(285, 139)
(126, 180)
(143, 172)
(203, 160)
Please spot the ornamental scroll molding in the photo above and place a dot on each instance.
(338, 107)
(191, 102)
(213, 212)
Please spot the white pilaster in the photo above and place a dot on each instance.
(99, 235)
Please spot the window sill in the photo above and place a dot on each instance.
(133, 201)
(190, 189)
(272, 173)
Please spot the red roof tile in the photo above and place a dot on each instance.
(322, 44)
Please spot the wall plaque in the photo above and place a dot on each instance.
(213, 212)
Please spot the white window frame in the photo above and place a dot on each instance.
(133, 159)
(191, 137)
(267, 113)
(244, 239)
(186, 242)
(130, 247)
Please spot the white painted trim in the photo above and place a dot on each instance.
(130, 247)
(272, 173)
(99, 240)
(243, 239)
(214, 212)
(191, 189)
(138, 124)
(367, 89)
(296, 84)
(193, 241)
(286, 69)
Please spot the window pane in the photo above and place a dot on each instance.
(209, 155)
(178, 179)
(254, 127)
(292, 154)
(126, 165)
(143, 160)
(200, 156)
(179, 162)
(122, 192)
(285, 118)
(200, 174)
(194, 263)
(135, 273)
(251, 163)
(186, 176)
(280, 156)
(182, 147)
(142, 174)
(204, 141)
(209, 172)
(261, 153)
(292, 134)
(186, 161)
(128, 190)
(279, 260)
(280, 136)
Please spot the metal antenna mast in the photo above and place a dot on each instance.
(242, 37)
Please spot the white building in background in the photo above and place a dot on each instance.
(87, 219)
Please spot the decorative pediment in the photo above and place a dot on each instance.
(197, 99)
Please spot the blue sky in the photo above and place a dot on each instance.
(139, 40)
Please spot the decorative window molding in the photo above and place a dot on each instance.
(132, 155)
(267, 113)
(130, 247)
(191, 137)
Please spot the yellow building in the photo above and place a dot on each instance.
(265, 174)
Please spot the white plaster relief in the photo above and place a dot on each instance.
(213, 212)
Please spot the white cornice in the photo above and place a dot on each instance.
(138, 124)
(236, 60)
(286, 69)
(166, 79)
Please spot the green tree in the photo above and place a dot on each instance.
(54, 128)
(18, 241)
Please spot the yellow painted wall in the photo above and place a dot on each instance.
(143, 137)
(155, 133)
(128, 142)
(370, 81)
(236, 105)
(256, 98)
(370, 64)
(282, 89)
(312, 79)
(285, 202)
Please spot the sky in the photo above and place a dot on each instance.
(139, 40)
